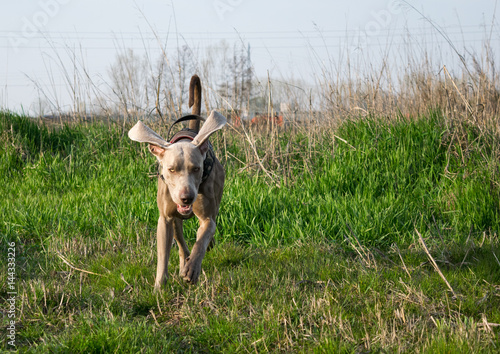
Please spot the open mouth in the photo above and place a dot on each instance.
(184, 209)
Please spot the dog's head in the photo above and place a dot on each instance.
(181, 164)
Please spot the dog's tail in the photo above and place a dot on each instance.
(195, 101)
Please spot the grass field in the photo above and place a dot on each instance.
(320, 249)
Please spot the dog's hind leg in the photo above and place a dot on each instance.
(164, 238)
(181, 243)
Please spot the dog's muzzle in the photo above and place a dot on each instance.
(185, 209)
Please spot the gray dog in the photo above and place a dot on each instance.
(185, 189)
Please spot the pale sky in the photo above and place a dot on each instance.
(287, 38)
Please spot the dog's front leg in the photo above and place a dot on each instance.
(164, 238)
(192, 267)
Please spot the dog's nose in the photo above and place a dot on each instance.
(187, 198)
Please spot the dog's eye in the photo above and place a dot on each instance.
(196, 169)
(171, 170)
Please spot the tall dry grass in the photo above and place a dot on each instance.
(400, 82)
(405, 78)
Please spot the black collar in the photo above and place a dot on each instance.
(184, 119)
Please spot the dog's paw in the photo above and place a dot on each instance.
(191, 270)
(161, 282)
(159, 287)
(182, 263)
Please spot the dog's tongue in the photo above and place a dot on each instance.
(184, 209)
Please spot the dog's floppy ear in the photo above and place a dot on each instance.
(144, 134)
(214, 122)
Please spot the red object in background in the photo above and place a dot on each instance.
(264, 119)
(236, 121)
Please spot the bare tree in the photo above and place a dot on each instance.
(236, 83)
(127, 82)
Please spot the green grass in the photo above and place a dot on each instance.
(328, 262)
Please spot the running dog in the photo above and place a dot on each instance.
(190, 182)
